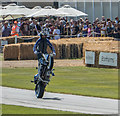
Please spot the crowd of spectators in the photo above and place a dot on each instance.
(57, 28)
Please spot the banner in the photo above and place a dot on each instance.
(109, 59)
(89, 57)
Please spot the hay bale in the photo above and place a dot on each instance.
(75, 50)
(102, 46)
(26, 52)
(67, 48)
(11, 52)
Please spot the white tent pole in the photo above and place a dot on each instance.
(76, 6)
(111, 9)
(58, 4)
(84, 7)
(93, 10)
(101, 8)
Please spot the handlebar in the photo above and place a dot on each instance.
(43, 55)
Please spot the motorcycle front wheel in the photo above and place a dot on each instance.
(39, 90)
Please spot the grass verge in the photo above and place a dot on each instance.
(11, 109)
(73, 80)
(1, 57)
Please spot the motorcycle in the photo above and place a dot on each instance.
(45, 73)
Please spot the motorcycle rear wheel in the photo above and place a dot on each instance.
(39, 90)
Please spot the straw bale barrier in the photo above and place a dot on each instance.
(26, 52)
(68, 48)
(63, 50)
(11, 52)
(23, 39)
(102, 46)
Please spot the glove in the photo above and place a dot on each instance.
(35, 52)
(54, 54)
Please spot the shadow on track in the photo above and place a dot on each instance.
(55, 98)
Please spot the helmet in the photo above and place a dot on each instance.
(43, 34)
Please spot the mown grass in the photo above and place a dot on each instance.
(1, 57)
(73, 80)
(11, 109)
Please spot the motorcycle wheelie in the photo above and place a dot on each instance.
(45, 64)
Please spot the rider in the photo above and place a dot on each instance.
(41, 47)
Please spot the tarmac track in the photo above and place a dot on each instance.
(56, 101)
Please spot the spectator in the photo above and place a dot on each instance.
(41, 25)
(15, 29)
(75, 29)
(117, 31)
(108, 19)
(67, 30)
(116, 20)
(71, 25)
(56, 33)
(25, 29)
(81, 24)
(6, 31)
(98, 30)
(10, 25)
(90, 30)
(20, 22)
(61, 27)
(85, 29)
(34, 28)
(103, 19)
(97, 20)
(47, 30)
(103, 29)
(0, 29)
(52, 27)
(110, 30)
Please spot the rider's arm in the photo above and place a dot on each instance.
(36, 44)
(50, 45)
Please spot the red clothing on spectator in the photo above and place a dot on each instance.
(14, 30)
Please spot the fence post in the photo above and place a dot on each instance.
(15, 39)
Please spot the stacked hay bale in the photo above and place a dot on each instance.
(70, 48)
(11, 52)
(66, 49)
(26, 52)
(102, 46)
(22, 39)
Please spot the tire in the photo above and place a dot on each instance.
(51, 62)
(39, 90)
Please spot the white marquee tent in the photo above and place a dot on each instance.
(47, 11)
(22, 10)
(72, 12)
(11, 11)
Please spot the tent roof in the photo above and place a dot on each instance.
(71, 11)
